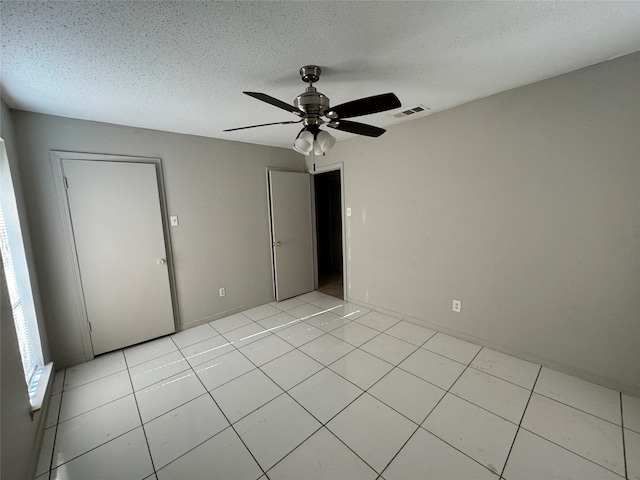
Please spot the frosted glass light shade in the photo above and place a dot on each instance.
(324, 141)
(299, 150)
(304, 142)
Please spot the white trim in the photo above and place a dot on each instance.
(271, 236)
(226, 313)
(63, 207)
(37, 399)
(56, 160)
(270, 217)
(535, 359)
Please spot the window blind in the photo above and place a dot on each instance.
(30, 360)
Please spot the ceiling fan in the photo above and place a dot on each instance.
(314, 111)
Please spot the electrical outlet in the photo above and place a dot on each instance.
(457, 306)
(222, 292)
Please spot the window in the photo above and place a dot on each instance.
(19, 286)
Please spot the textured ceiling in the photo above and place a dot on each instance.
(182, 66)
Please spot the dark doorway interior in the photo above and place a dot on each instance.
(329, 232)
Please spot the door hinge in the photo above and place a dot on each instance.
(90, 329)
(66, 183)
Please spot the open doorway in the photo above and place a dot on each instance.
(329, 232)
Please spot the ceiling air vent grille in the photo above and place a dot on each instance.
(417, 111)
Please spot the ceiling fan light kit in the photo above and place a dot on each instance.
(304, 142)
(312, 139)
(314, 111)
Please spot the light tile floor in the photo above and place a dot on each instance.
(314, 388)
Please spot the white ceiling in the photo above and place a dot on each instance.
(182, 66)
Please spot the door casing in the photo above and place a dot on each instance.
(274, 249)
(314, 233)
(57, 158)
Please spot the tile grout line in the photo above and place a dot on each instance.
(366, 391)
(55, 434)
(322, 424)
(208, 392)
(397, 366)
(481, 371)
(506, 460)
(379, 332)
(511, 382)
(579, 409)
(135, 399)
(430, 412)
(342, 441)
(438, 386)
(520, 427)
(624, 446)
(95, 408)
(572, 452)
(417, 347)
(425, 418)
(96, 379)
(402, 446)
(91, 449)
(394, 365)
(184, 374)
(96, 447)
(137, 407)
(301, 351)
(297, 446)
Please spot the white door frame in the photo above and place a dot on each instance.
(271, 227)
(270, 217)
(325, 169)
(56, 160)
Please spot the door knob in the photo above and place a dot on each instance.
(276, 244)
(161, 261)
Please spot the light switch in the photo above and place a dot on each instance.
(348, 211)
(174, 220)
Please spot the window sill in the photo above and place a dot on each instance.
(38, 387)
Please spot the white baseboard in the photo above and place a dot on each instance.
(545, 362)
(40, 416)
(224, 314)
(70, 362)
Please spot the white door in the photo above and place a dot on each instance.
(119, 237)
(291, 227)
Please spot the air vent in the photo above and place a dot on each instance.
(417, 111)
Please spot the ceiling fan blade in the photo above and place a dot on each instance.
(357, 128)
(262, 125)
(274, 101)
(365, 106)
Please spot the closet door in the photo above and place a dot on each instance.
(119, 238)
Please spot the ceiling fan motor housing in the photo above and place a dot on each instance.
(313, 104)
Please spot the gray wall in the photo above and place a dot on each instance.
(19, 431)
(19, 436)
(525, 206)
(216, 187)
